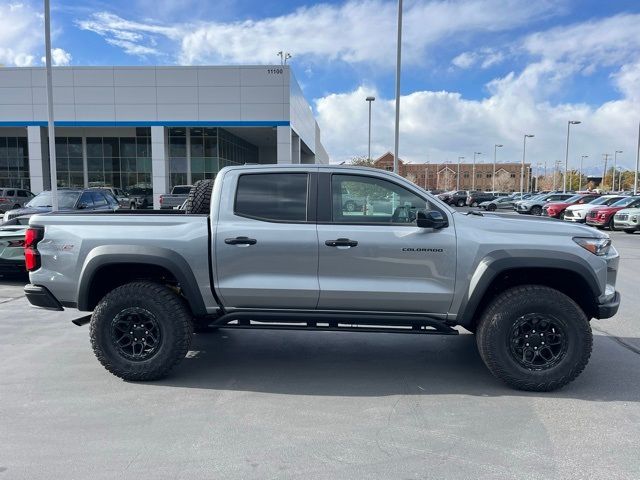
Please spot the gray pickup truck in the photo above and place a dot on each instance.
(176, 198)
(274, 247)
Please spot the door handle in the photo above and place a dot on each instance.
(240, 241)
(341, 242)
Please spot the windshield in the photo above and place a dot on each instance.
(181, 190)
(624, 202)
(65, 200)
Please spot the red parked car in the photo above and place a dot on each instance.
(556, 209)
(602, 215)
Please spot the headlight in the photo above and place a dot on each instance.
(597, 246)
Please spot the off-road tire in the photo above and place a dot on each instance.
(172, 315)
(492, 337)
(199, 198)
(536, 210)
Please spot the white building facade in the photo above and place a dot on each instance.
(151, 128)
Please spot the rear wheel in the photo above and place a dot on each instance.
(141, 330)
(491, 207)
(460, 203)
(474, 204)
(534, 338)
(199, 198)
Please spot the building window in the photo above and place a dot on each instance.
(69, 165)
(121, 162)
(14, 162)
(513, 175)
(488, 175)
(197, 153)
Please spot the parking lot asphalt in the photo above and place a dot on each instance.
(266, 404)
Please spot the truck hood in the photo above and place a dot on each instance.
(526, 225)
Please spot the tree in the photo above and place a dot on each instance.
(361, 161)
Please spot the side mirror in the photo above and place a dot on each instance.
(431, 219)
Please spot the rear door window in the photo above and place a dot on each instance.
(98, 199)
(277, 197)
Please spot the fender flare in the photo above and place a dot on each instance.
(172, 261)
(500, 262)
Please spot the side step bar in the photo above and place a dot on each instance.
(334, 322)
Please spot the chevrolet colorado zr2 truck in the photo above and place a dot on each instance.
(274, 247)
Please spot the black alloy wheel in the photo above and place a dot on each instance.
(136, 334)
(537, 341)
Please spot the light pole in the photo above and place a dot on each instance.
(369, 100)
(524, 156)
(582, 157)
(473, 172)
(458, 176)
(398, 63)
(635, 175)
(493, 177)
(566, 156)
(604, 175)
(51, 126)
(615, 165)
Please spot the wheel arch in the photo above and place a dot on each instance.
(108, 267)
(573, 277)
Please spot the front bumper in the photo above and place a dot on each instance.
(597, 222)
(610, 308)
(625, 223)
(39, 296)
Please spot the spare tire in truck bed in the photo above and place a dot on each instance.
(199, 199)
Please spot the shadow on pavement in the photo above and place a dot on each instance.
(14, 279)
(342, 364)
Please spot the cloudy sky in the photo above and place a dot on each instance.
(475, 72)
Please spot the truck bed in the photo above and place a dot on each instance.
(75, 244)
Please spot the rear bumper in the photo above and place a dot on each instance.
(610, 308)
(39, 296)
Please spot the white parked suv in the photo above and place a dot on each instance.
(627, 219)
(578, 213)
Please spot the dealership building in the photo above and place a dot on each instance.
(151, 127)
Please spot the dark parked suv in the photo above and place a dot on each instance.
(476, 198)
(90, 199)
(456, 197)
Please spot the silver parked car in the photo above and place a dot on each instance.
(11, 198)
(499, 203)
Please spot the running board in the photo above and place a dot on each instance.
(82, 320)
(334, 322)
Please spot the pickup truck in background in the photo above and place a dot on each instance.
(273, 246)
(177, 197)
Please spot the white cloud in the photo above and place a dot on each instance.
(20, 34)
(440, 126)
(486, 57)
(59, 57)
(134, 38)
(355, 31)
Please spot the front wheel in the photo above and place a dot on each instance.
(536, 210)
(534, 338)
(141, 330)
(461, 203)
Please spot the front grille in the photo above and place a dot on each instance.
(622, 216)
(592, 214)
(568, 213)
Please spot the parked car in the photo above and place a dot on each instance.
(498, 204)
(456, 197)
(557, 209)
(527, 289)
(533, 205)
(176, 198)
(140, 198)
(11, 198)
(121, 196)
(602, 216)
(578, 213)
(94, 199)
(12, 245)
(627, 219)
(476, 198)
